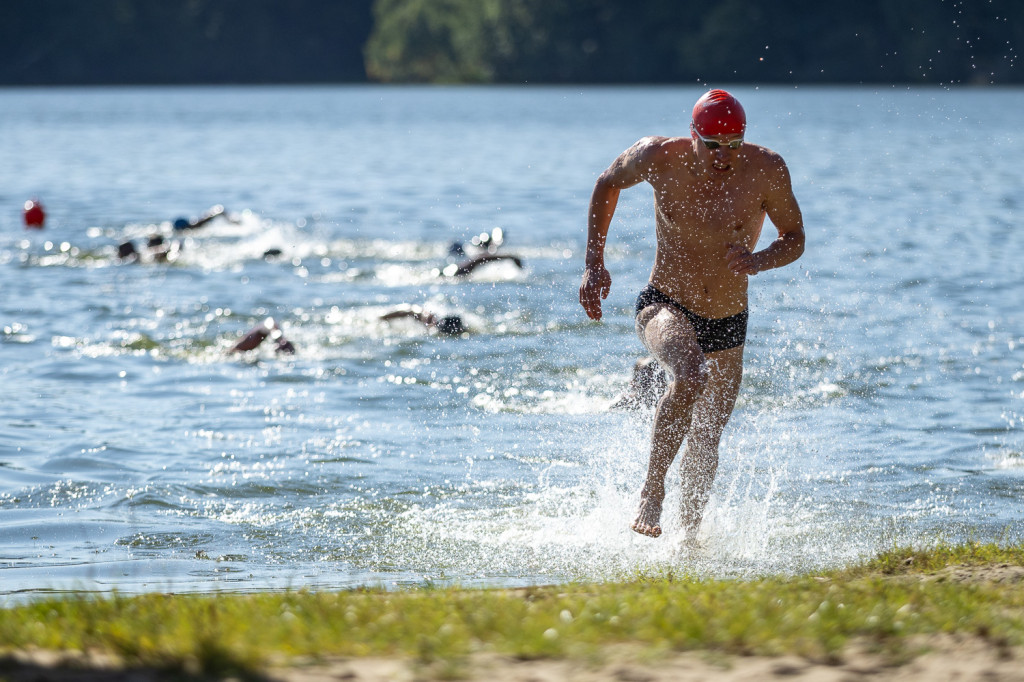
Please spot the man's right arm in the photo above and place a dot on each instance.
(625, 171)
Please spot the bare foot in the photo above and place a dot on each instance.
(648, 516)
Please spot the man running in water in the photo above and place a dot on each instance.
(712, 191)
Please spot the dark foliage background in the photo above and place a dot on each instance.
(88, 42)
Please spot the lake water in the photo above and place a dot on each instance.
(883, 402)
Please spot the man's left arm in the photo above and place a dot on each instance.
(783, 210)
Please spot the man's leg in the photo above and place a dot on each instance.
(710, 415)
(670, 338)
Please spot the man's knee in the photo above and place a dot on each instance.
(688, 379)
(692, 369)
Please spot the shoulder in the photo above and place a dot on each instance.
(768, 166)
(654, 153)
(646, 159)
(653, 147)
(766, 158)
(773, 179)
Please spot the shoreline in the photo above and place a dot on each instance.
(941, 614)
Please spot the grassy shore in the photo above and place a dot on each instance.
(885, 604)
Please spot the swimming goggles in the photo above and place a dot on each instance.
(715, 144)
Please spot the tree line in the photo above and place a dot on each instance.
(92, 42)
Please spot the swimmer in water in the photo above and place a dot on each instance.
(485, 241)
(214, 212)
(712, 192)
(466, 267)
(127, 253)
(158, 250)
(162, 251)
(447, 325)
(260, 333)
(486, 244)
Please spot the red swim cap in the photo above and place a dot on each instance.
(719, 113)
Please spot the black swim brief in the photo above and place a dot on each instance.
(712, 334)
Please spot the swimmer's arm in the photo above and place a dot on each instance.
(402, 314)
(783, 210)
(254, 337)
(627, 170)
(214, 212)
(465, 268)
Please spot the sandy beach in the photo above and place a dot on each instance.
(947, 657)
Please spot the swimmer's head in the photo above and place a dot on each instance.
(182, 224)
(450, 325)
(719, 113)
(126, 250)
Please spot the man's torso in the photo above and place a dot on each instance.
(698, 215)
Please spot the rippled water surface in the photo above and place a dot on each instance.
(882, 404)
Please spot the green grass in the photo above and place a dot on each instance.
(882, 604)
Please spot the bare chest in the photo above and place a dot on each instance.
(710, 211)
